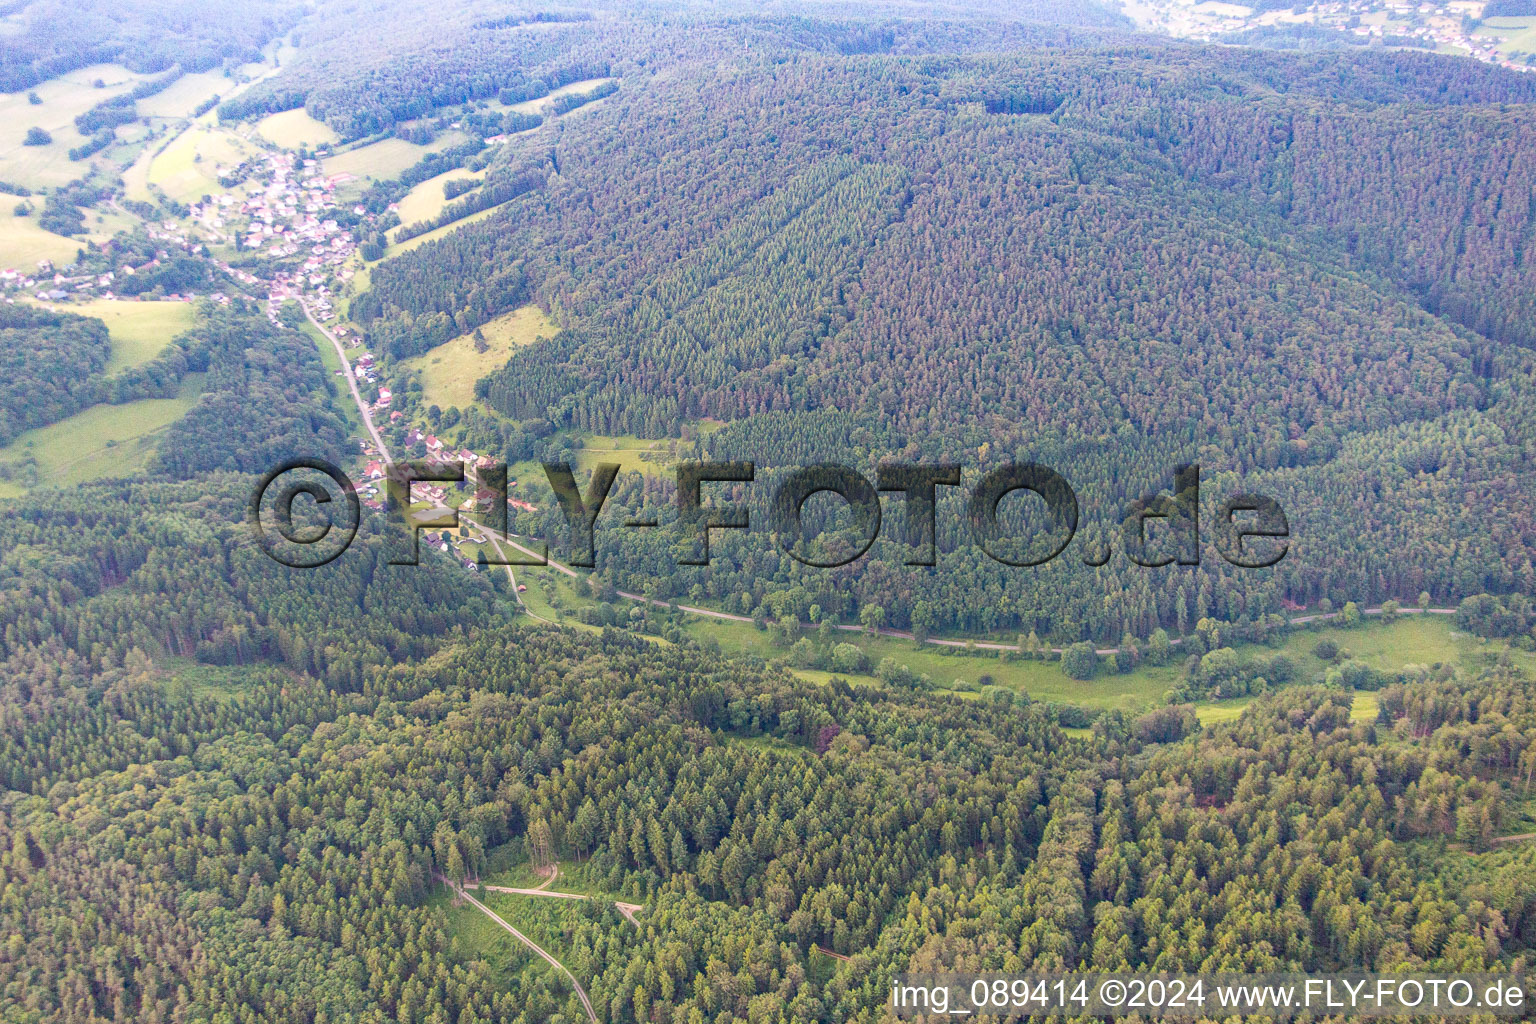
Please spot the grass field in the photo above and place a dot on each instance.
(1518, 35)
(387, 158)
(426, 199)
(104, 440)
(1413, 639)
(537, 106)
(139, 330)
(23, 243)
(64, 98)
(436, 233)
(294, 128)
(188, 168)
(182, 96)
(449, 371)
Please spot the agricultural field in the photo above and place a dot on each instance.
(449, 371)
(64, 99)
(104, 440)
(294, 128)
(23, 243)
(139, 330)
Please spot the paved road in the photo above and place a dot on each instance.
(357, 396)
(581, 993)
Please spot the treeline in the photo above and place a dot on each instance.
(379, 195)
(497, 189)
(267, 397)
(362, 89)
(47, 364)
(570, 101)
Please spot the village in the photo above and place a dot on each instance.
(274, 230)
(1445, 26)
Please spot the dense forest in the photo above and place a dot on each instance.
(271, 851)
(1307, 274)
(147, 36)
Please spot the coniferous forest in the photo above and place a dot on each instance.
(237, 792)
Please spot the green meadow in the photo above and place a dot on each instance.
(294, 128)
(139, 330)
(1412, 639)
(104, 440)
(449, 371)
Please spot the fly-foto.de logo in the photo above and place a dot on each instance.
(306, 512)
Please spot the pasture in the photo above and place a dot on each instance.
(104, 440)
(425, 200)
(294, 128)
(189, 167)
(23, 243)
(139, 330)
(64, 98)
(449, 371)
(387, 158)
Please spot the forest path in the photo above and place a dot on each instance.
(627, 909)
(581, 993)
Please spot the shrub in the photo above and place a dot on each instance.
(1080, 661)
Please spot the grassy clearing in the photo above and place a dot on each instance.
(477, 936)
(64, 99)
(449, 371)
(294, 128)
(139, 330)
(537, 106)
(1414, 639)
(426, 199)
(432, 236)
(104, 440)
(1517, 35)
(183, 95)
(387, 158)
(189, 167)
(23, 243)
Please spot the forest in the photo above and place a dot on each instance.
(1029, 258)
(275, 846)
(147, 36)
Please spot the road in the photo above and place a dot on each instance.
(357, 396)
(893, 634)
(581, 993)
